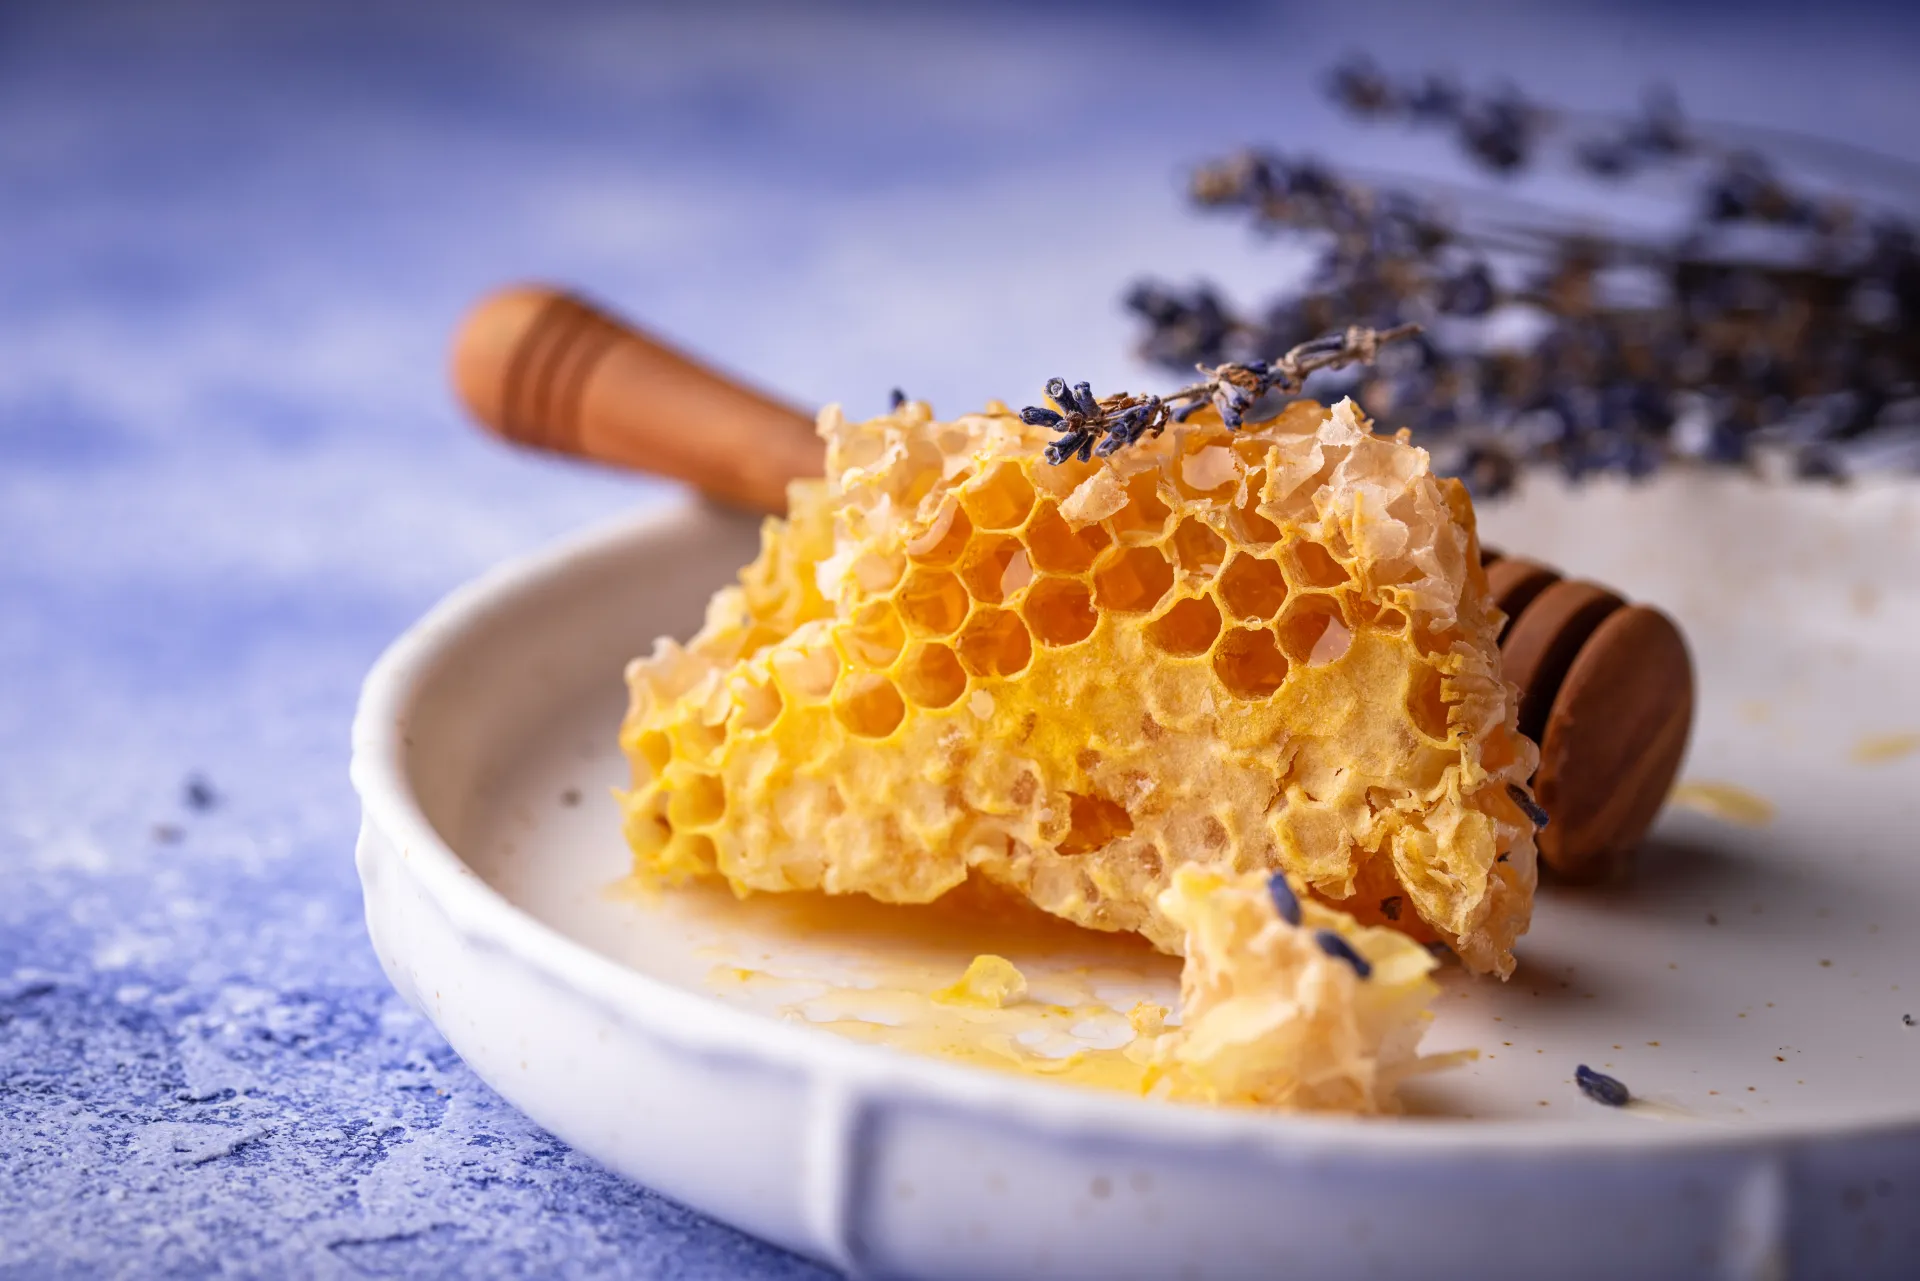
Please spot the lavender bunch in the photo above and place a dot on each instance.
(1782, 320)
(1504, 130)
(1088, 426)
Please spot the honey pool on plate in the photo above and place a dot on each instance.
(895, 976)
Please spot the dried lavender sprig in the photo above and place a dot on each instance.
(1815, 357)
(1504, 130)
(1103, 426)
(1395, 213)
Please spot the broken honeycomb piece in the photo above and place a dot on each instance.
(1270, 648)
(1271, 1014)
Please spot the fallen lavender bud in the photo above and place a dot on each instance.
(1601, 1088)
(1285, 901)
(1341, 950)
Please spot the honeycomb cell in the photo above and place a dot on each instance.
(1314, 566)
(994, 566)
(696, 800)
(808, 675)
(760, 706)
(874, 637)
(869, 705)
(932, 601)
(1018, 573)
(1144, 515)
(655, 751)
(647, 828)
(1249, 526)
(1198, 549)
(1132, 579)
(1058, 482)
(1252, 588)
(1057, 547)
(1313, 632)
(1211, 471)
(1060, 611)
(1001, 499)
(1371, 613)
(877, 571)
(994, 643)
(1299, 417)
(931, 676)
(694, 739)
(690, 850)
(1249, 663)
(1094, 822)
(1187, 628)
(944, 540)
(952, 440)
(1425, 705)
(924, 467)
(1252, 451)
(864, 451)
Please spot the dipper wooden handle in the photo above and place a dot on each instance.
(1606, 688)
(543, 368)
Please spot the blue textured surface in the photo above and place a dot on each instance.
(233, 240)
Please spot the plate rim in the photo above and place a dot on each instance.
(483, 916)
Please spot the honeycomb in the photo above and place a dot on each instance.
(1271, 1018)
(1238, 650)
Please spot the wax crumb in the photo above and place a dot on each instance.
(989, 983)
(1147, 1017)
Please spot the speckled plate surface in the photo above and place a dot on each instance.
(1749, 981)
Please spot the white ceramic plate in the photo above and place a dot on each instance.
(1749, 982)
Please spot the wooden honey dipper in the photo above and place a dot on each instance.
(1606, 687)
